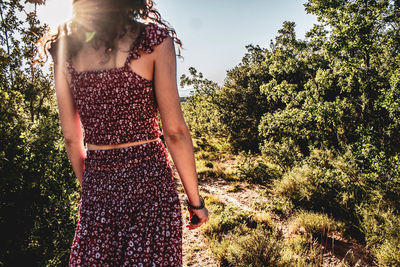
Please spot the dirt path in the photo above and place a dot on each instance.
(195, 248)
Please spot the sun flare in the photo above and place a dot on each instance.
(55, 12)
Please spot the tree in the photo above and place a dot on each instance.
(333, 86)
(38, 191)
(199, 110)
(240, 102)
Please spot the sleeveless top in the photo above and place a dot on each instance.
(118, 105)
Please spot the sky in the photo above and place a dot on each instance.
(214, 33)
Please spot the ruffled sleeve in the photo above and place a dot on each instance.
(155, 35)
(151, 36)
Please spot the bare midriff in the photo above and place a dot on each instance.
(96, 147)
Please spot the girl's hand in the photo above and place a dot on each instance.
(201, 214)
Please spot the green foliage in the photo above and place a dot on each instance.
(260, 247)
(278, 205)
(256, 171)
(38, 191)
(300, 252)
(382, 232)
(227, 220)
(326, 110)
(325, 183)
(285, 153)
(315, 92)
(199, 109)
(390, 101)
(240, 238)
(229, 111)
(330, 86)
(240, 103)
(384, 179)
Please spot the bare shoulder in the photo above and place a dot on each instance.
(165, 49)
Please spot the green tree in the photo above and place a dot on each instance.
(363, 48)
(333, 86)
(199, 109)
(38, 191)
(240, 103)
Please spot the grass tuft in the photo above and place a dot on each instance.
(315, 224)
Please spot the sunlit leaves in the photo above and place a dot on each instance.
(36, 179)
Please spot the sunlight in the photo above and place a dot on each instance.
(55, 12)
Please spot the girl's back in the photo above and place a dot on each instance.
(117, 102)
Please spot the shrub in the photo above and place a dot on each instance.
(209, 170)
(283, 207)
(388, 254)
(256, 171)
(285, 154)
(260, 247)
(299, 251)
(205, 145)
(241, 238)
(228, 219)
(297, 185)
(382, 233)
(211, 148)
(199, 109)
(325, 183)
(264, 219)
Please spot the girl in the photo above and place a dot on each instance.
(113, 75)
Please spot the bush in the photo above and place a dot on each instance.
(209, 170)
(382, 233)
(256, 171)
(325, 183)
(284, 154)
(260, 247)
(241, 238)
(283, 207)
(388, 254)
(240, 103)
(199, 109)
(227, 220)
(299, 251)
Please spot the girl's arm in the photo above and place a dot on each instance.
(69, 119)
(176, 133)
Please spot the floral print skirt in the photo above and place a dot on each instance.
(130, 213)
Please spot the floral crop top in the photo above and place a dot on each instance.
(118, 105)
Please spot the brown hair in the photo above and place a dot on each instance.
(100, 22)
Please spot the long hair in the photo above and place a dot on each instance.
(101, 22)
